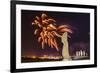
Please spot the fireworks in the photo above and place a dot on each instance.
(48, 30)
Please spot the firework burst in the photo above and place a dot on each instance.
(48, 31)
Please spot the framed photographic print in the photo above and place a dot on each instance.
(52, 36)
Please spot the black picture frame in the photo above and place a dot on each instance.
(13, 36)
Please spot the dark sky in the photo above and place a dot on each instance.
(80, 23)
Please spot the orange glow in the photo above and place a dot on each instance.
(33, 56)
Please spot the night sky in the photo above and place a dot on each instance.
(79, 22)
